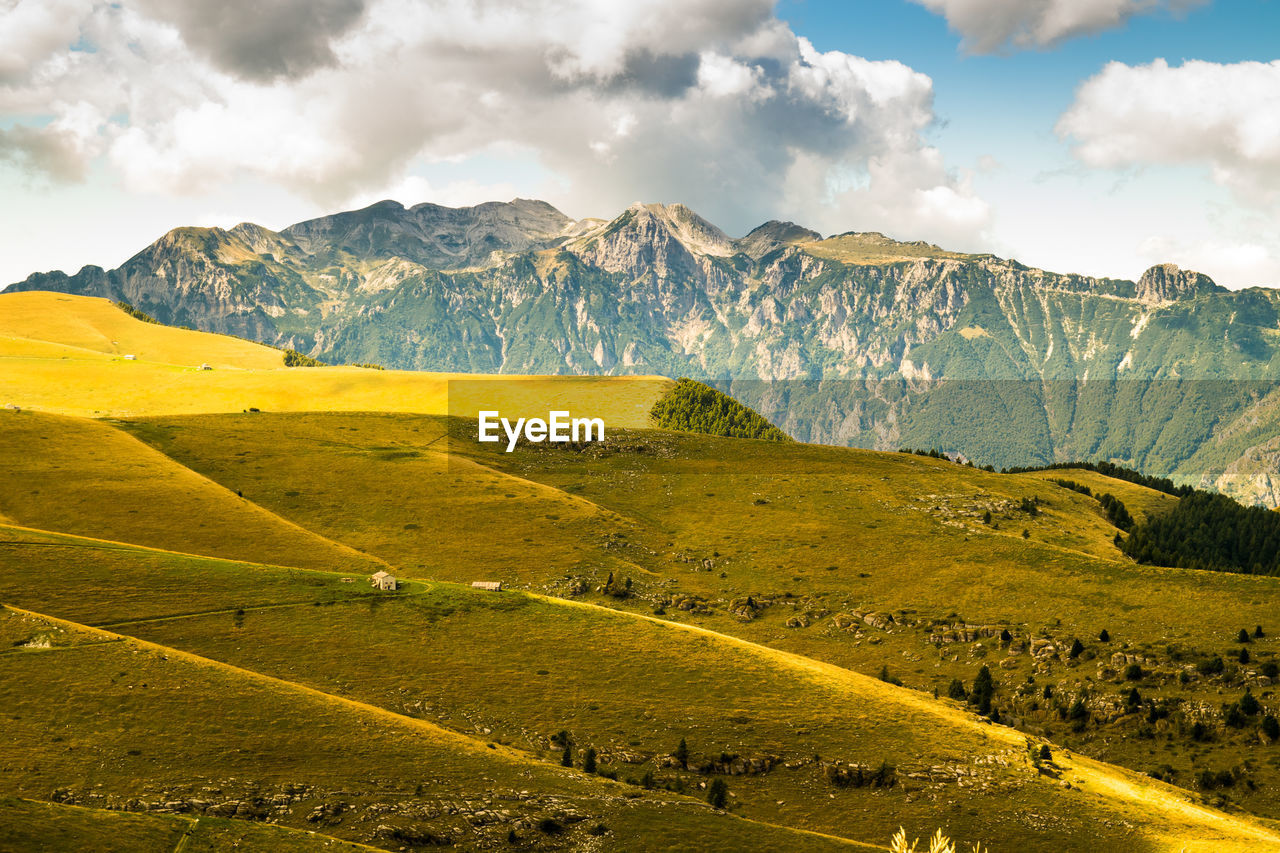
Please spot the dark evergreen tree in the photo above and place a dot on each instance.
(589, 762)
(984, 688)
(682, 754)
(1271, 728)
(1077, 649)
(718, 794)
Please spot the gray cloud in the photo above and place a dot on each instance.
(46, 151)
(261, 40)
(989, 26)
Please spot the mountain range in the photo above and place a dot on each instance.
(851, 339)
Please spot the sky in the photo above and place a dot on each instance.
(1089, 136)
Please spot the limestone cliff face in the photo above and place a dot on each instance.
(1166, 283)
(522, 288)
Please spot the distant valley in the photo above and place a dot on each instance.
(855, 339)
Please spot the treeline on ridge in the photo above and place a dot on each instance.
(1116, 472)
(691, 406)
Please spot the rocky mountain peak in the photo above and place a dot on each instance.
(1165, 283)
(436, 236)
(691, 230)
(772, 235)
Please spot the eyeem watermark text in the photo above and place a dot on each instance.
(558, 427)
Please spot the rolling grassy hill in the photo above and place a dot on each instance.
(40, 827)
(123, 711)
(175, 649)
(66, 354)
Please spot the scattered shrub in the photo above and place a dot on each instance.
(1211, 666)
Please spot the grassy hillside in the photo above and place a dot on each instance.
(866, 560)
(85, 327)
(624, 685)
(108, 582)
(86, 478)
(1142, 503)
(65, 354)
(814, 623)
(272, 750)
(40, 827)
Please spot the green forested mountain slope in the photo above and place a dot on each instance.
(856, 339)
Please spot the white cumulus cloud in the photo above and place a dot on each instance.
(1223, 116)
(988, 26)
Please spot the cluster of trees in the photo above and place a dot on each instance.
(857, 776)
(981, 694)
(135, 313)
(1116, 511)
(293, 358)
(693, 407)
(1211, 532)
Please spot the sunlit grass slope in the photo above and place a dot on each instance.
(104, 715)
(386, 485)
(819, 539)
(98, 327)
(631, 687)
(58, 355)
(40, 827)
(871, 248)
(626, 685)
(100, 583)
(87, 478)
(836, 528)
